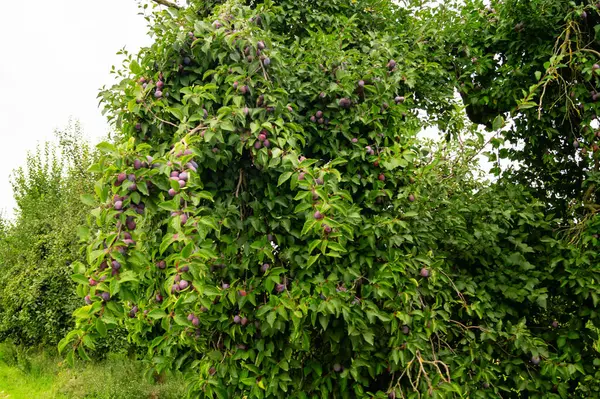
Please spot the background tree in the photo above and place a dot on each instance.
(37, 295)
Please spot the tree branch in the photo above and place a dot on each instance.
(167, 4)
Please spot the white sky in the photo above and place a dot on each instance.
(54, 57)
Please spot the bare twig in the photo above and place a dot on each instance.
(162, 120)
(239, 185)
(167, 3)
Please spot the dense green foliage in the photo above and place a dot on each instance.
(537, 62)
(270, 223)
(37, 295)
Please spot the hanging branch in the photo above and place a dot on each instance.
(167, 4)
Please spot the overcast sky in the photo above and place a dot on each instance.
(54, 57)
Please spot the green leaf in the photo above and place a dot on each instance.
(81, 279)
(89, 199)
(101, 327)
(284, 177)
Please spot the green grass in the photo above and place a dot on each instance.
(43, 376)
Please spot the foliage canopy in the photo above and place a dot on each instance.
(270, 221)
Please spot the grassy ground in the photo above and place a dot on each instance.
(42, 376)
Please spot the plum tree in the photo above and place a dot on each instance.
(296, 168)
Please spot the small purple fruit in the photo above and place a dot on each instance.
(158, 298)
(405, 330)
(267, 143)
(116, 265)
(88, 300)
(138, 126)
(191, 317)
(267, 61)
(161, 264)
(424, 272)
(319, 181)
(92, 282)
(337, 367)
(172, 192)
(258, 145)
(280, 288)
(181, 183)
(319, 114)
(535, 360)
(119, 205)
(411, 198)
(244, 321)
(183, 176)
(361, 83)
(261, 45)
(345, 103)
(555, 324)
(381, 177)
(318, 215)
(326, 229)
(195, 321)
(265, 267)
(399, 99)
(301, 175)
(237, 319)
(160, 84)
(354, 140)
(262, 137)
(158, 94)
(225, 286)
(105, 296)
(391, 64)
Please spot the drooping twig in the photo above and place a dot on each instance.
(167, 4)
